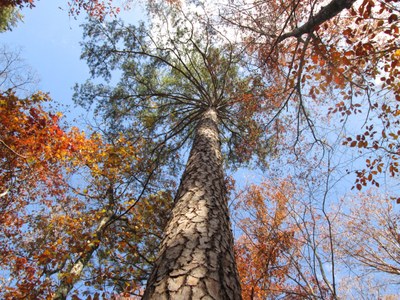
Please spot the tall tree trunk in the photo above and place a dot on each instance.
(196, 259)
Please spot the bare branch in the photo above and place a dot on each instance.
(326, 13)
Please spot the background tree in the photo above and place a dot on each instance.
(286, 223)
(73, 207)
(267, 241)
(50, 226)
(345, 49)
(293, 260)
(370, 233)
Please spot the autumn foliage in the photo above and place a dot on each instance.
(17, 3)
(82, 214)
(267, 238)
(49, 222)
(341, 56)
(33, 147)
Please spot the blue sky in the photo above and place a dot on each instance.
(49, 41)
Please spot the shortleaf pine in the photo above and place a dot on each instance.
(196, 258)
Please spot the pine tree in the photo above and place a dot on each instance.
(196, 257)
(183, 90)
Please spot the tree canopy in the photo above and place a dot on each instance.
(304, 93)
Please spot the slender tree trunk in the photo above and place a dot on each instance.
(75, 270)
(196, 259)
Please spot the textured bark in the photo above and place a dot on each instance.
(196, 259)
